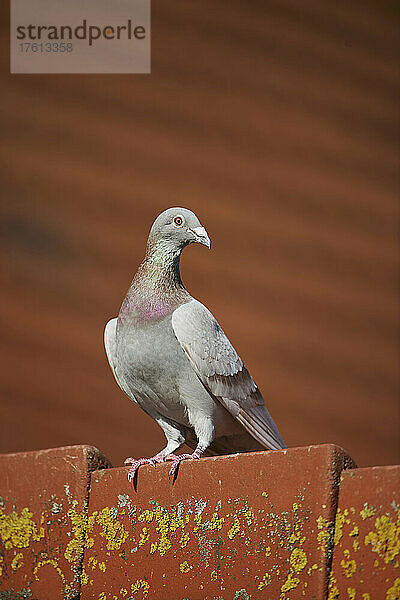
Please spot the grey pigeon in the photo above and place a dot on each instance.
(170, 356)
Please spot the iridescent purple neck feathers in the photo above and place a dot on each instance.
(157, 288)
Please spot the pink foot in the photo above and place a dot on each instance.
(177, 459)
(136, 463)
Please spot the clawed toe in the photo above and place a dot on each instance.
(176, 461)
(136, 463)
(131, 476)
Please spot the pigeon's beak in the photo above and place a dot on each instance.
(201, 236)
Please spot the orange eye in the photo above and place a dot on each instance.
(178, 221)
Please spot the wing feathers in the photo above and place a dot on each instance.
(221, 370)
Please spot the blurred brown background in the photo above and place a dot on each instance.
(277, 123)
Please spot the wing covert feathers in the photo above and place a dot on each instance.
(222, 372)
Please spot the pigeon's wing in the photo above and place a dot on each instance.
(222, 372)
(110, 344)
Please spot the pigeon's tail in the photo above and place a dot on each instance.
(259, 423)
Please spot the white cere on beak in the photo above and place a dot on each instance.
(201, 236)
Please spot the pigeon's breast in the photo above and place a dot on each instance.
(154, 367)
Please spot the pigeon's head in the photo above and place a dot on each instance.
(175, 228)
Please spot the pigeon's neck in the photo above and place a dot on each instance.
(157, 288)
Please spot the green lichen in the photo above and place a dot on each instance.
(23, 594)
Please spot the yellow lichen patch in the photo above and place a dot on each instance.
(17, 529)
(367, 512)
(249, 515)
(298, 559)
(38, 535)
(102, 566)
(266, 580)
(385, 541)
(234, 530)
(176, 522)
(197, 520)
(290, 583)
(333, 590)
(102, 596)
(184, 567)
(295, 537)
(313, 567)
(267, 551)
(341, 519)
(144, 536)
(91, 521)
(321, 522)
(351, 593)
(214, 575)
(184, 540)
(1, 568)
(163, 523)
(140, 584)
(354, 532)
(393, 592)
(146, 515)
(325, 532)
(366, 597)
(53, 563)
(111, 529)
(349, 566)
(164, 545)
(84, 577)
(153, 547)
(16, 562)
(215, 522)
(74, 549)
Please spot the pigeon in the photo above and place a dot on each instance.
(170, 356)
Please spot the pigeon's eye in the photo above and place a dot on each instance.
(178, 221)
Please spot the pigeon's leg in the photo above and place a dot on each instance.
(175, 439)
(204, 430)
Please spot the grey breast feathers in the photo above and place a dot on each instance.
(110, 343)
